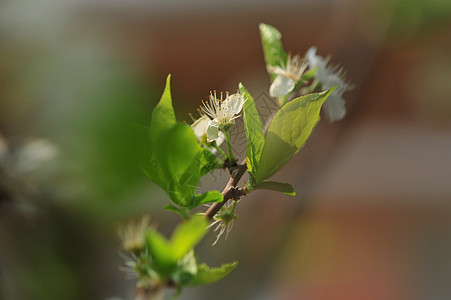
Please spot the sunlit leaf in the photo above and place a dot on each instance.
(163, 116)
(289, 130)
(162, 253)
(206, 275)
(254, 132)
(177, 153)
(186, 269)
(285, 188)
(208, 162)
(188, 234)
(208, 197)
(272, 46)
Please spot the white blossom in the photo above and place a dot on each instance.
(200, 130)
(133, 234)
(330, 76)
(287, 76)
(222, 112)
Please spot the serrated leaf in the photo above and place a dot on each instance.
(285, 188)
(187, 235)
(272, 47)
(254, 133)
(208, 197)
(289, 130)
(206, 275)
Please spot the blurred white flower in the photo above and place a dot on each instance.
(330, 76)
(222, 112)
(35, 155)
(133, 234)
(287, 76)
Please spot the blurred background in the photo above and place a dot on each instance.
(372, 215)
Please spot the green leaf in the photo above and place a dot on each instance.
(208, 162)
(288, 132)
(162, 253)
(254, 133)
(177, 153)
(163, 116)
(166, 255)
(285, 188)
(206, 275)
(187, 235)
(176, 150)
(186, 269)
(183, 212)
(208, 197)
(272, 46)
(172, 208)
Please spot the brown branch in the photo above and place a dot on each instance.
(230, 191)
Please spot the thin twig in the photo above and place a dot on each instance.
(229, 191)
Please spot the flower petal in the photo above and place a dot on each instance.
(212, 130)
(220, 139)
(281, 86)
(316, 61)
(335, 108)
(235, 103)
(200, 127)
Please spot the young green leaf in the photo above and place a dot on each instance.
(208, 197)
(167, 254)
(208, 162)
(163, 116)
(163, 119)
(188, 234)
(272, 46)
(254, 132)
(206, 275)
(186, 269)
(163, 258)
(177, 153)
(285, 188)
(183, 212)
(289, 130)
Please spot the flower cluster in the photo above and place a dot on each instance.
(132, 234)
(290, 73)
(158, 262)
